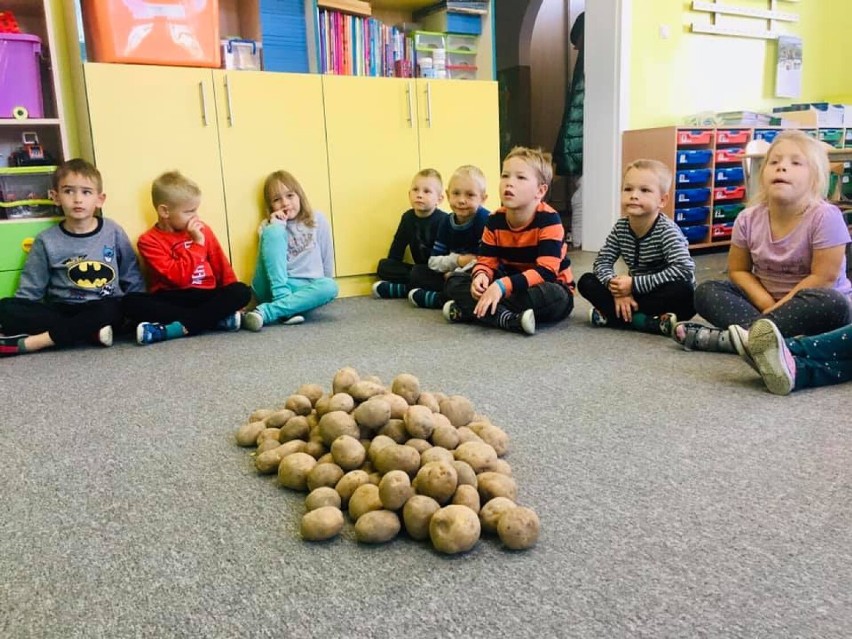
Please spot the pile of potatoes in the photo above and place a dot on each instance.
(392, 459)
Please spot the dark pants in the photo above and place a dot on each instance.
(550, 301)
(671, 297)
(66, 324)
(197, 309)
(394, 271)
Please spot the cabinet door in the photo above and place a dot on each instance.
(267, 122)
(146, 120)
(372, 156)
(459, 124)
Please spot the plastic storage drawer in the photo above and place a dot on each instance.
(20, 76)
(834, 137)
(722, 231)
(443, 20)
(691, 215)
(461, 73)
(691, 196)
(25, 192)
(729, 193)
(732, 174)
(726, 212)
(694, 234)
(693, 157)
(730, 156)
(694, 138)
(732, 136)
(698, 177)
(768, 135)
(429, 40)
(466, 43)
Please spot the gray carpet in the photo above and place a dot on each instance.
(677, 497)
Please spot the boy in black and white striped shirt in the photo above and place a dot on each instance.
(658, 289)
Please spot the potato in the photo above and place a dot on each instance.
(363, 500)
(395, 489)
(435, 453)
(343, 379)
(454, 529)
(373, 414)
(364, 390)
(268, 433)
(260, 414)
(278, 418)
(406, 386)
(428, 400)
(498, 466)
(416, 513)
(321, 407)
(445, 436)
(518, 528)
(418, 444)
(315, 449)
(295, 428)
(466, 495)
(458, 409)
(377, 527)
(322, 497)
(437, 480)
(348, 453)
(267, 444)
(418, 422)
(465, 472)
(397, 404)
(299, 404)
(467, 435)
(341, 401)
(247, 433)
(349, 483)
(477, 454)
(494, 436)
(336, 423)
(398, 457)
(322, 523)
(490, 513)
(324, 475)
(312, 391)
(269, 461)
(395, 429)
(293, 470)
(440, 419)
(375, 478)
(379, 442)
(491, 485)
(326, 458)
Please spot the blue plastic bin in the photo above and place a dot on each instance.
(697, 177)
(766, 134)
(729, 175)
(685, 197)
(695, 157)
(694, 234)
(692, 215)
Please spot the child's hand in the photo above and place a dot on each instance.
(277, 216)
(487, 304)
(194, 228)
(621, 285)
(478, 285)
(464, 260)
(624, 307)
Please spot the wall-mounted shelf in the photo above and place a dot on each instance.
(716, 9)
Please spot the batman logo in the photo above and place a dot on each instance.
(91, 275)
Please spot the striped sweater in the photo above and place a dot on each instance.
(525, 257)
(660, 256)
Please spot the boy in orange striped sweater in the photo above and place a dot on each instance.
(523, 273)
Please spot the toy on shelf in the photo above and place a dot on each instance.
(31, 153)
(8, 24)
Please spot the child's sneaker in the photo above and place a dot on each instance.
(389, 290)
(668, 321)
(693, 336)
(596, 318)
(452, 312)
(421, 298)
(528, 321)
(150, 333)
(252, 321)
(230, 323)
(9, 344)
(739, 338)
(293, 320)
(104, 336)
(773, 359)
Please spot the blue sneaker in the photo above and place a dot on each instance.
(230, 323)
(150, 333)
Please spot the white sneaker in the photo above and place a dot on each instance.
(293, 320)
(528, 321)
(774, 361)
(104, 336)
(252, 321)
(739, 338)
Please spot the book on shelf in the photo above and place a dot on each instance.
(357, 45)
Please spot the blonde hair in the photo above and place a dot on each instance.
(660, 170)
(172, 188)
(816, 158)
(540, 161)
(282, 178)
(81, 167)
(469, 171)
(430, 173)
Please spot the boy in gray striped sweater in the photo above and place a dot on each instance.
(658, 289)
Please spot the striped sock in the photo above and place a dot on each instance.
(507, 320)
(422, 298)
(390, 290)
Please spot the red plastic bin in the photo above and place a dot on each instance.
(694, 138)
(729, 155)
(722, 231)
(729, 193)
(732, 136)
(165, 32)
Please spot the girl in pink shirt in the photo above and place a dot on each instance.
(787, 261)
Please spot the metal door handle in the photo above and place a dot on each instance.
(203, 103)
(410, 107)
(428, 104)
(228, 102)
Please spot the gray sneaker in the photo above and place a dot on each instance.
(739, 338)
(252, 321)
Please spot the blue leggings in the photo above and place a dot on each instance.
(282, 296)
(824, 359)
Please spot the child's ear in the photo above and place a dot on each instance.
(101, 200)
(441, 197)
(664, 200)
(542, 191)
(163, 210)
(54, 195)
(484, 196)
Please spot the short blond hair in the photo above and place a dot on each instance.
(81, 167)
(469, 171)
(540, 161)
(172, 188)
(660, 170)
(816, 158)
(277, 179)
(429, 173)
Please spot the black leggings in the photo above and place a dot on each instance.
(66, 324)
(671, 297)
(551, 301)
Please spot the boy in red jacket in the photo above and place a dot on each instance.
(192, 285)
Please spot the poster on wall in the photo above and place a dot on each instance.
(788, 72)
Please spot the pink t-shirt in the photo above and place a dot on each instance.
(782, 263)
